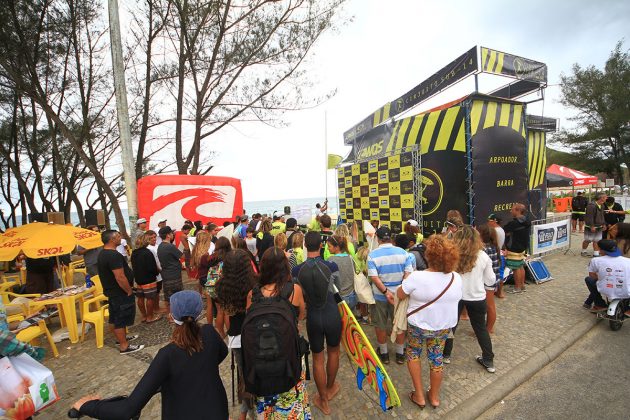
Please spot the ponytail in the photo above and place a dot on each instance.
(188, 335)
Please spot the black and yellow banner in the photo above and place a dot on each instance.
(493, 61)
(462, 66)
(499, 158)
(537, 158)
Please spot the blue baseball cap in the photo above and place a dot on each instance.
(609, 247)
(185, 303)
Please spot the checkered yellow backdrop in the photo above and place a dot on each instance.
(380, 189)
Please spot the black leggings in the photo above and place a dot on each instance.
(477, 314)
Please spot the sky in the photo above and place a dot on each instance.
(383, 49)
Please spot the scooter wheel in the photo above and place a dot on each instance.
(617, 320)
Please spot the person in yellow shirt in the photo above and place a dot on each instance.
(278, 225)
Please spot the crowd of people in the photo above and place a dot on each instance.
(269, 275)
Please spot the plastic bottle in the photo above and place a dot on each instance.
(88, 281)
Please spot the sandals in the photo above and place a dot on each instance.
(411, 394)
(151, 321)
(429, 399)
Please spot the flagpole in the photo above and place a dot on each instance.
(326, 150)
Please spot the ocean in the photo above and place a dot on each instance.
(301, 208)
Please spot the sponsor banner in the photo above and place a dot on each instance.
(462, 66)
(178, 198)
(493, 61)
(550, 236)
(499, 172)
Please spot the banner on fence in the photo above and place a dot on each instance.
(550, 236)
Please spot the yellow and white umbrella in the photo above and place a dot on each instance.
(42, 240)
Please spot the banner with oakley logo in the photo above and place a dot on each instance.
(493, 61)
(550, 236)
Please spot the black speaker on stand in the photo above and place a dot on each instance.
(37, 217)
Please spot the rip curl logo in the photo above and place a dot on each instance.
(195, 197)
(431, 191)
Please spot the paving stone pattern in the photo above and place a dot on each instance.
(526, 323)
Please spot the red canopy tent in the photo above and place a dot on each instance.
(579, 178)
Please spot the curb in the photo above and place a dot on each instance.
(490, 395)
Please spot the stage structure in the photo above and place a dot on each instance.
(478, 154)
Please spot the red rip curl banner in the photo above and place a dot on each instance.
(178, 198)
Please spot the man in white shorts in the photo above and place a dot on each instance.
(594, 223)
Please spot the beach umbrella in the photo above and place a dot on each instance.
(42, 240)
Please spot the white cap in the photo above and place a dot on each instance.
(162, 221)
(412, 222)
(141, 220)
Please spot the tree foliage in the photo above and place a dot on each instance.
(601, 98)
(193, 67)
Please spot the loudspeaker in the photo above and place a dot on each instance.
(37, 217)
(57, 218)
(94, 217)
(287, 209)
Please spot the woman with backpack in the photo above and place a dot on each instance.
(491, 247)
(433, 295)
(212, 265)
(237, 280)
(275, 282)
(185, 371)
(201, 247)
(475, 267)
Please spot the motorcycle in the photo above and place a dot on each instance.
(615, 313)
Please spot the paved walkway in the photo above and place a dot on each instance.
(526, 324)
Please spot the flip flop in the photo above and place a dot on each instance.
(151, 321)
(411, 394)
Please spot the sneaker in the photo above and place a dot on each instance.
(132, 348)
(129, 338)
(400, 358)
(584, 254)
(489, 366)
(383, 357)
(446, 360)
(627, 313)
(586, 306)
(598, 308)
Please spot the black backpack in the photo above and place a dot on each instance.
(418, 252)
(272, 361)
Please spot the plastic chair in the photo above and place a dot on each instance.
(99, 286)
(96, 317)
(31, 333)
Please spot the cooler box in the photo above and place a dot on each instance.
(537, 270)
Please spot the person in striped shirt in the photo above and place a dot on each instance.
(387, 267)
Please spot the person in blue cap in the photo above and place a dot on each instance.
(186, 371)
